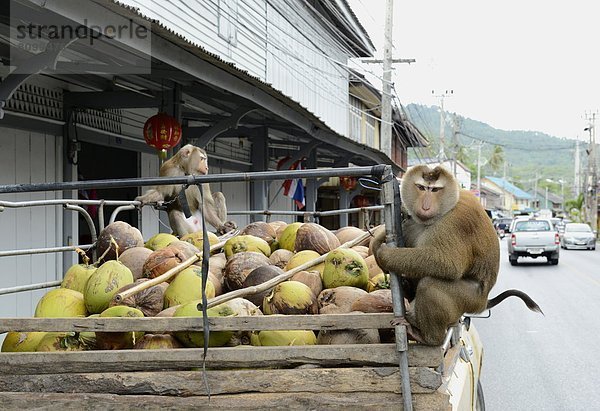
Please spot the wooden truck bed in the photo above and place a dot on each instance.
(357, 376)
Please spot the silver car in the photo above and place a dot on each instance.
(578, 236)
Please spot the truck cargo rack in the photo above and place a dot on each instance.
(388, 375)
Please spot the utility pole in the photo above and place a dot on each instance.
(479, 168)
(447, 93)
(455, 128)
(592, 183)
(577, 182)
(386, 97)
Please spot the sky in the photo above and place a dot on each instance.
(514, 64)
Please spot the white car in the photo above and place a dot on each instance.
(578, 236)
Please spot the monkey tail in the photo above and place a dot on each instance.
(532, 305)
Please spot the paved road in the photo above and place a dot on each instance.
(551, 362)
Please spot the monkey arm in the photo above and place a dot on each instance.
(150, 196)
(424, 261)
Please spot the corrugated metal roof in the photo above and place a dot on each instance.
(511, 188)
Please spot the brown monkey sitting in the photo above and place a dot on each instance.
(189, 160)
(451, 258)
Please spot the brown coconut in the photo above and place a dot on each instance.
(216, 263)
(358, 336)
(134, 259)
(372, 266)
(123, 234)
(281, 257)
(349, 233)
(278, 226)
(361, 250)
(260, 229)
(312, 236)
(157, 342)
(161, 261)
(339, 300)
(187, 249)
(311, 278)
(168, 312)
(217, 282)
(379, 301)
(240, 265)
(149, 301)
(258, 276)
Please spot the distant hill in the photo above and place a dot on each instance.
(525, 151)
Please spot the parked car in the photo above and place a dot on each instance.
(533, 237)
(578, 236)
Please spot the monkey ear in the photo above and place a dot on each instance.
(185, 151)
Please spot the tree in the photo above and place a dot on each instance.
(575, 208)
(496, 160)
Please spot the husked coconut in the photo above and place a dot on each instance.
(372, 266)
(134, 259)
(123, 234)
(281, 257)
(161, 261)
(187, 249)
(157, 342)
(312, 236)
(361, 250)
(216, 264)
(217, 282)
(278, 226)
(350, 233)
(148, 301)
(357, 336)
(379, 301)
(258, 276)
(240, 265)
(338, 300)
(262, 230)
(311, 278)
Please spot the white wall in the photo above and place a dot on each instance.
(28, 158)
(287, 48)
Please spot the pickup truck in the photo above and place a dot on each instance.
(533, 237)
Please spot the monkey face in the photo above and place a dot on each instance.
(198, 162)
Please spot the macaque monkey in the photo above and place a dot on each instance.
(189, 160)
(451, 256)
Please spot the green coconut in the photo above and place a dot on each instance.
(243, 243)
(302, 257)
(287, 239)
(345, 267)
(280, 338)
(160, 240)
(186, 287)
(290, 297)
(195, 238)
(17, 341)
(118, 340)
(61, 302)
(195, 339)
(104, 284)
(77, 277)
(60, 341)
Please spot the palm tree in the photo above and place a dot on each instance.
(575, 207)
(496, 160)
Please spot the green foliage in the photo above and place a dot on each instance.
(521, 154)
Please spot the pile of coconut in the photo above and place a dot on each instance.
(348, 280)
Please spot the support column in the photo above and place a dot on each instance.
(344, 203)
(311, 183)
(260, 162)
(69, 173)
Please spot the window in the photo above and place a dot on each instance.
(532, 225)
(355, 119)
(228, 17)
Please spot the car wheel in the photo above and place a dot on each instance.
(480, 404)
(513, 261)
(553, 261)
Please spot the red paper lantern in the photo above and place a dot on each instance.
(348, 183)
(162, 132)
(362, 201)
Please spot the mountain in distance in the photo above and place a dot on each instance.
(526, 152)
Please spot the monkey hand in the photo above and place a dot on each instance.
(227, 227)
(151, 196)
(387, 258)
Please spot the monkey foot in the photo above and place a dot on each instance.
(412, 332)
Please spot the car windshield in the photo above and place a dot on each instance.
(578, 228)
(532, 225)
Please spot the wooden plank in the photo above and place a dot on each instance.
(190, 383)
(357, 355)
(156, 324)
(295, 401)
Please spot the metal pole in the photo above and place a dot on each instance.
(386, 98)
(390, 197)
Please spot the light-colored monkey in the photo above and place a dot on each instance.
(189, 160)
(451, 254)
